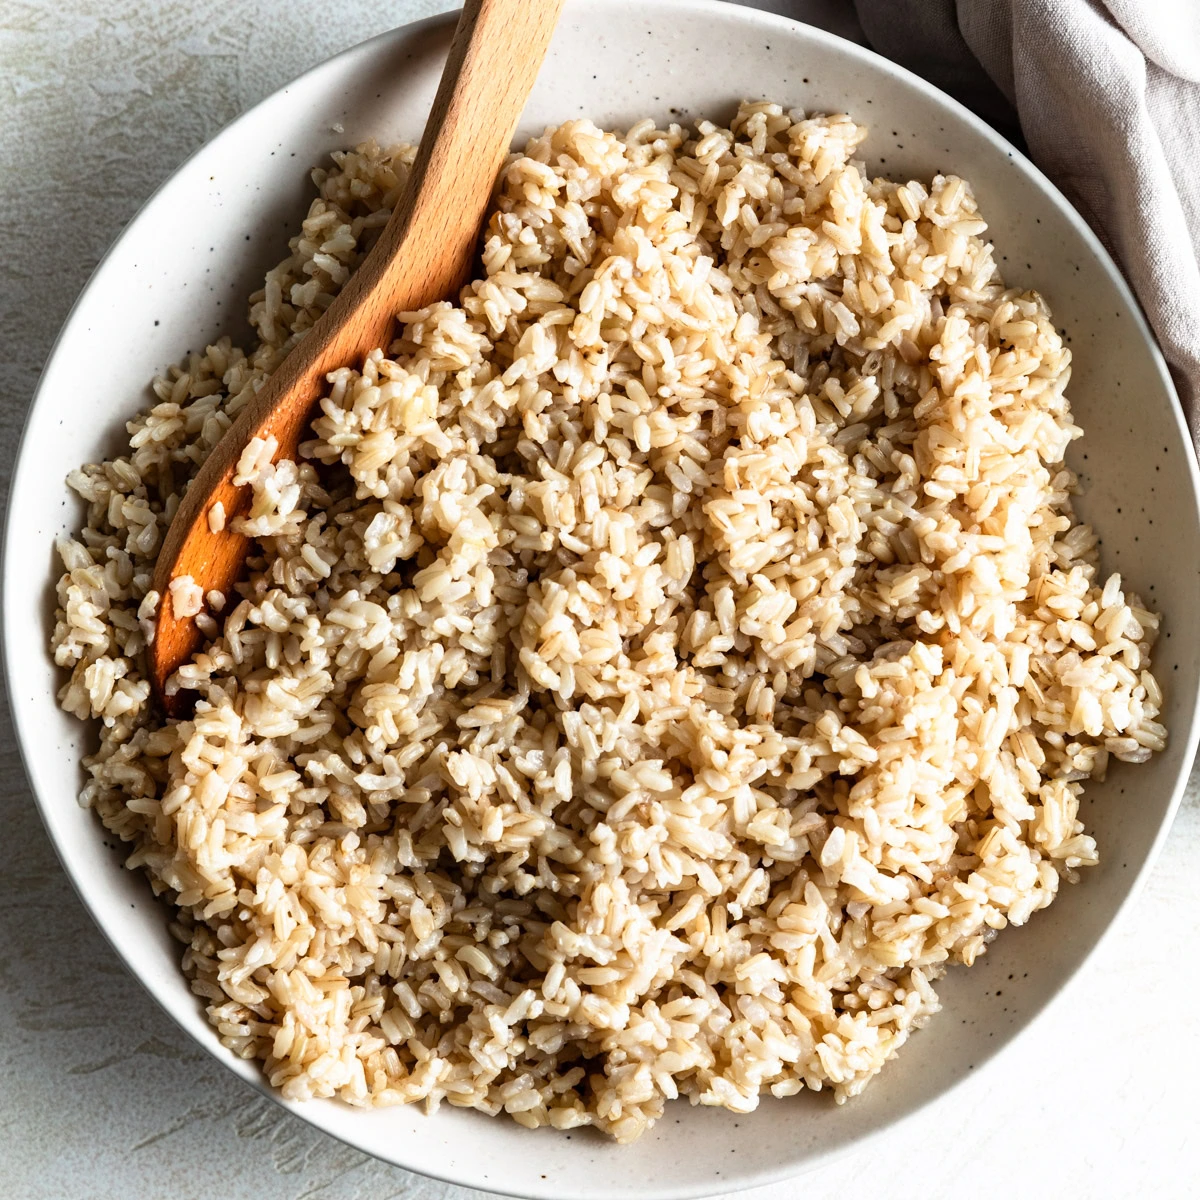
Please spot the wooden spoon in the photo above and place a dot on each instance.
(423, 254)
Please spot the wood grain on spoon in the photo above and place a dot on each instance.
(423, 254)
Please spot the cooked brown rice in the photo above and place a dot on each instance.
(661, 665)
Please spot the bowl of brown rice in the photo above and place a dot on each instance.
(699, 692)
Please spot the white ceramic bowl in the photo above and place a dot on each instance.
(179, 276)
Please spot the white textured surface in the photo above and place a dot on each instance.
(100, 1094)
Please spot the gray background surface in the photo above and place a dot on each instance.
(100, 1094)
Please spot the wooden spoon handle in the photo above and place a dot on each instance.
(423, 254)
(492, 65)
